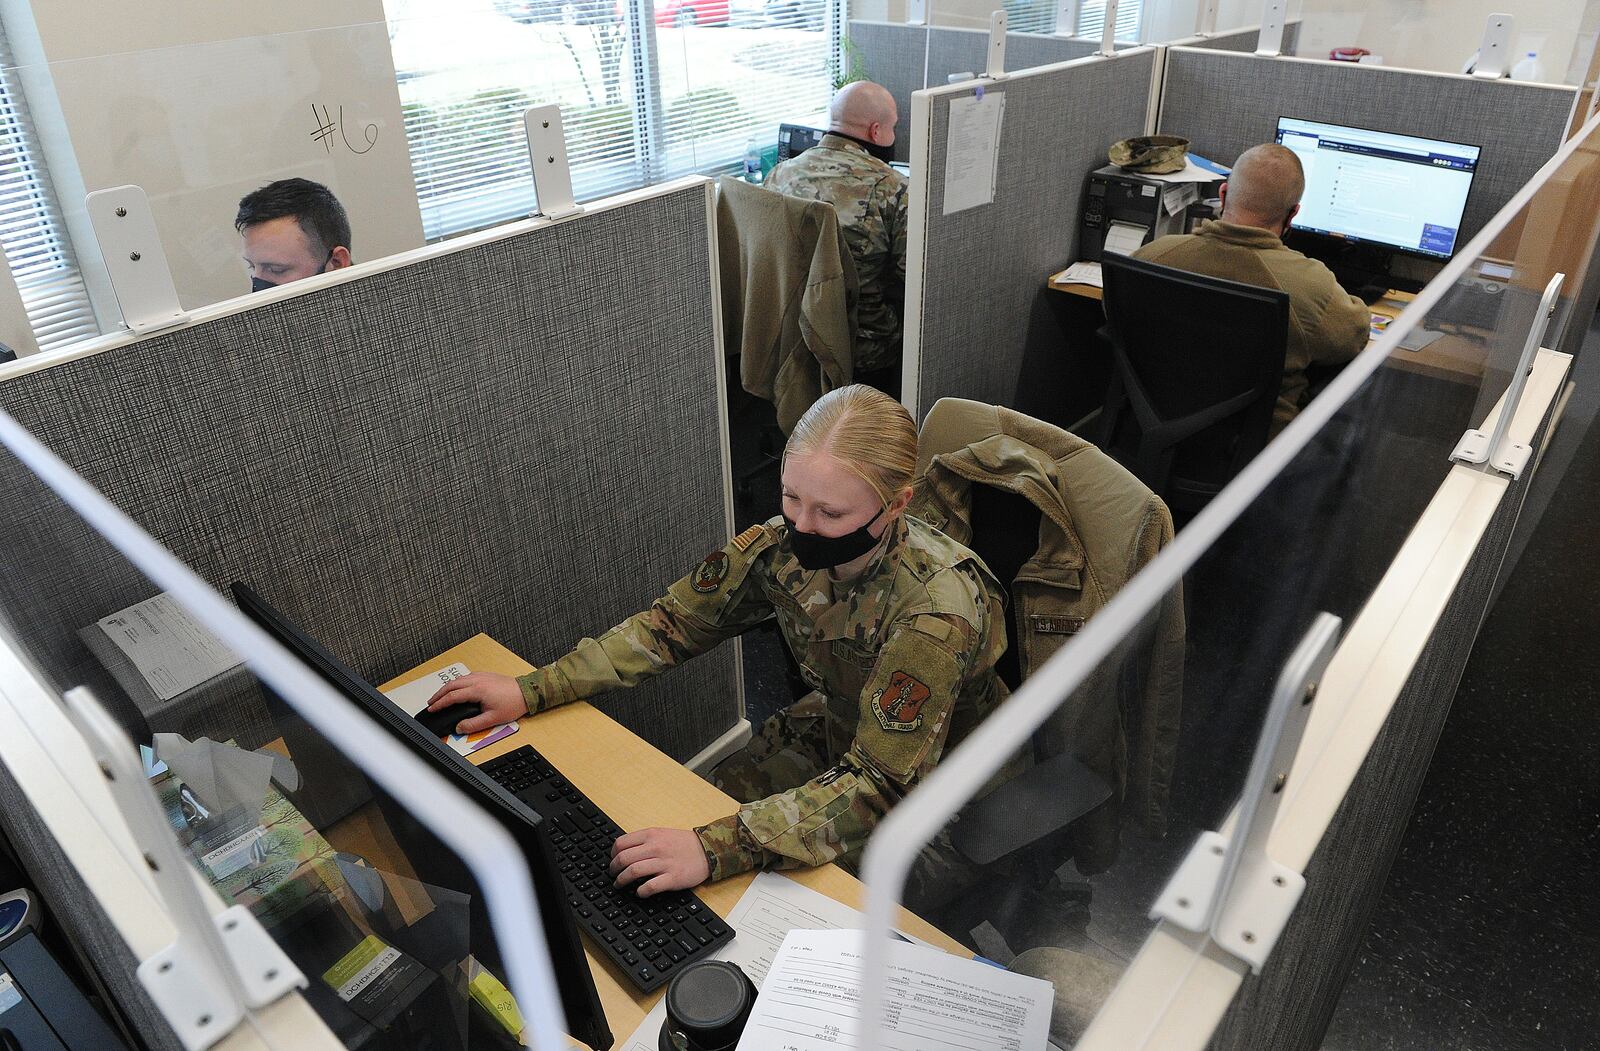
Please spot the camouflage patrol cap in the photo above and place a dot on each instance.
(1150, 154)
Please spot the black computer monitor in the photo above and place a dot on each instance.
(795, 139)
(579, 999)
(1398, 192)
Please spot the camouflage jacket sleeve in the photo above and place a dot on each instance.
(720, 599)
(901, 729)
(896, 215)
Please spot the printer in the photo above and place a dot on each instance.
(1126, 210)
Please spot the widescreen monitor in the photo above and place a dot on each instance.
(1399, 192)
(579, 999)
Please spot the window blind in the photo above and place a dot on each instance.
(31, 229)
(648, 91)
(1092, 19)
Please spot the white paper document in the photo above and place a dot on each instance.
(1208, 171)
(973, 150)
(1176, 198)
(773, 906)
(936, 1001)
(1084, 273)
(1124, 238)
(168, 647)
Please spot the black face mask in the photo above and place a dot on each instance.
(815, 551)
(883, 153)
(261, 284)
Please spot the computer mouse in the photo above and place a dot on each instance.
(442, 723)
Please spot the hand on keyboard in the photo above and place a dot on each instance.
(499, 697)
(664, 858)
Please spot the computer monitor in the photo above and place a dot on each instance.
(579, 999)
(1399, 192)
(795, 139)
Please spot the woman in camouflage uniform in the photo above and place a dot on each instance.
(893, 624)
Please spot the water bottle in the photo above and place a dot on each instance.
(1529, 69)
(752, 163)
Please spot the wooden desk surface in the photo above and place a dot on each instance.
(1448, 357)
(639, 787)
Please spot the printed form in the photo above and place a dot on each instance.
(809, 1001)
(773, 906)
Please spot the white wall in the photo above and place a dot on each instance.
(200, 103)
(1440, 34)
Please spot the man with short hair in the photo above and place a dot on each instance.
(849, 170)
(1327, 325)
(292, 229)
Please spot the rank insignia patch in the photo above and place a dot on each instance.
(898, 705)
(708, 575)
(748, 537)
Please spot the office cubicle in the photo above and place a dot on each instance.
(976, 279)
(1371, 509)
(390, 452)
(477, 437)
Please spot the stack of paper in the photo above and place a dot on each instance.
(935, 1001)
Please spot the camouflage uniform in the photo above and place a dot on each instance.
(871, 200)
(902, 658)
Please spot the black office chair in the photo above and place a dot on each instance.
(1198, 365)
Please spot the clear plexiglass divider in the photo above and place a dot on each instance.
(1090, 832)
(329, 859)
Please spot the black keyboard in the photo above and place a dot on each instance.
(647, 938)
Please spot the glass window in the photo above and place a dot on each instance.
(36, 246)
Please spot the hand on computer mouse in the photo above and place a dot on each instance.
(498, 696)
(659, 859)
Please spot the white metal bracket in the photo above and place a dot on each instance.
(547, 149)
(917, 12)
(1490, 61)
(222, 963)
(1205, 21)
(1108, 31)
(125, 230)
(996, 68)
(1497, 449)
(1230, 887)
(1270, 39)
(1067, 17)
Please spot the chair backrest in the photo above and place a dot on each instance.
(1199, 362)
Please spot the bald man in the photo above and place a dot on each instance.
(849, 170)
(1327, 326)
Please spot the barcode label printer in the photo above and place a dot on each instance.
(1123, 210)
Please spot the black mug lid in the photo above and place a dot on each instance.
(707, 1003)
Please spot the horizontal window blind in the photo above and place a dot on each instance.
(463, 108)
(724, 74)
(31, 229)
(1092, 19)
(733, 70)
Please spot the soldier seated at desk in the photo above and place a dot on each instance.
(896, 626)
(850, 170)
(1327, 325)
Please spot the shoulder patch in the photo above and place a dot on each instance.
(749, 536)
(710, 573)
(898, 706)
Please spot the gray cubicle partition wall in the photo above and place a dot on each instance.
(897, 55)
(1225, 102)
(975, 295)
(521, 436)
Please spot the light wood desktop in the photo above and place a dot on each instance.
(639, 787)
(1449, 357)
